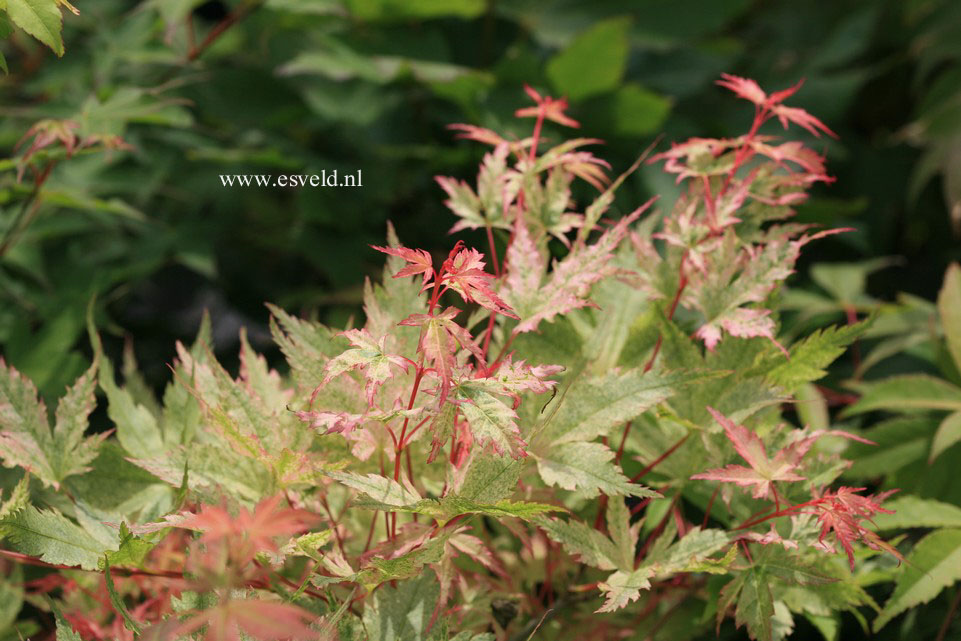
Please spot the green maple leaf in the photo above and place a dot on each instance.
(26, 437)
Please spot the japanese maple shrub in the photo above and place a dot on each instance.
(468, 464)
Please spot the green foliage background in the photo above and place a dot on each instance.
(300, 86)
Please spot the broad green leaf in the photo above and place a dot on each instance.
(906, 393)
(949, 433)
(41, 19)
(594, 62)
(949, 306)
(898, 442)
(402, 613)
(913, 511)
(587, 467)
(933, 565)
(636, 111)
(115, 485)
(380, 488)
(52, 538)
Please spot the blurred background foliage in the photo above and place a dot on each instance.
(165, 95)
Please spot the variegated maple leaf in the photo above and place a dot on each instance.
(440, 337)
(764, 471)
(369, 355)
(497, 187)
(538, 296)
(463, 271)
(26, 437)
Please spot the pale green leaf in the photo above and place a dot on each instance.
(19, 498)
(380, 488)
(593, 407)
(307, 345)
(587, 467)
(619, 526)
(137, 428)
(41, 19)
(52, 538)
(689, 553)
(622, 587)
(914, 511)
(755, 606)
(64, 631)
(491, 420)
(906, 393)
(933, 565)
(132, 552)
(11, 596)
(26, 439)
(594, 548)
(949, 433)
(402, 613)
(447, 507)
(489, 479)
(949, 306)
(117, 602)
(811, 355)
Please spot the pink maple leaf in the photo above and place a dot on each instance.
(547, 107)
(478, 134)
(247, 533)
(763, 471)
(439, 338)
(419, 261)
(262, 620)
(842, 513)
(463, 272)
(771, 103)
